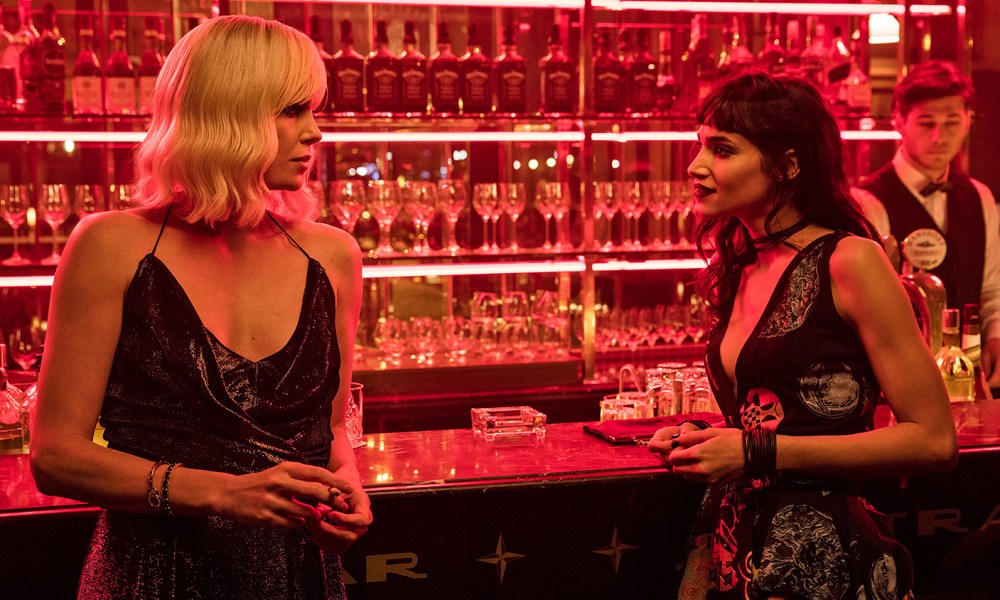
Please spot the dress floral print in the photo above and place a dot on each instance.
(803, 371)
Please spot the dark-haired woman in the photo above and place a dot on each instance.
(812, 327)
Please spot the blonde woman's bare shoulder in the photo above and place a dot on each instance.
(334, 248)
(111, 243)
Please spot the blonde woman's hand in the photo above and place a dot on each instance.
(343, 520)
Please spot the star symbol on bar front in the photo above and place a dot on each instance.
(500, 558)
(616, 549)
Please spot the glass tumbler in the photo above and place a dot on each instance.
(353, 414)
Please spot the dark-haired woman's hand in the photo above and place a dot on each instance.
(712, 455)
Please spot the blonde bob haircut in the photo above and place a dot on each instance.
(213, 135)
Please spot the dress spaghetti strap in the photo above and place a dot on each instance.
(290, 238)
(162, 227)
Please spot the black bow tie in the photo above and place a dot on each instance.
(930, 188)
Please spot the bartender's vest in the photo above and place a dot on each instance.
(962, 269)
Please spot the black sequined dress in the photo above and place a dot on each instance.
(177, 394)
(802, 371)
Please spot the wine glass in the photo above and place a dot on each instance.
(553, 201)
(421, 203)
(633, 205)
(683, 203)
(383, 196)
(486, 202)
(88, 199)
(54, 206)
(513, 201)
(347, 200)
(119, 196)
(452, 198)
(658, 204)
(14, 202)
(607, 203)
(391, 337)
(25, 344)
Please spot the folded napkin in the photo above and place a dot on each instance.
(633, 431)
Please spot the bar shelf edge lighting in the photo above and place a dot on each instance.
(773, 7)
(134, 137)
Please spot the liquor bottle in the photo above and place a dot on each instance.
(11, 436)
(667, 89)
(445, 74)
(558, 74)
(121, 83)
(609, 77)
(8, 71)
(955, 366)
(316, 35)
(838, 59)
(88, 77)
(772, 56)
(972, 346)
(512, 75)
(698, 64)
(413, 73)
(477, 77)
(150, 63)
(49, 66)
(932, 290)
(382, 71)
(858, 86)
(642, 76)
(815, 56)
(347, 94)
(20, 54)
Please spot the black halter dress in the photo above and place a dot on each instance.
(177, 394)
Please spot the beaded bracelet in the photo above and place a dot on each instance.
(165, 492)
(760, 456)
(153, 497)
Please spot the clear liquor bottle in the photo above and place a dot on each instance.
(413, 73)
(347, 91)
(121, 82)
(382, 72)
(8, 72)
(793, 47)
(477, 76)
(772, 56)
(50, 65)
(972, 346)
(816, 55)
(558, 74)
(667, 89)
(858, 86)
(642, 75)
(955, 366)
(88, 76)
(11, 432)
(445, 74)
(150, 63)
(316, 35)
(609, 77)
(20, 54)
(698, 63)
(512, 75)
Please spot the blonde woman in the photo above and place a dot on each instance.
(211, 331)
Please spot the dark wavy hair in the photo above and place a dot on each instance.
(776, 114)
(932, 80)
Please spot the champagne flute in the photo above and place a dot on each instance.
(658, 204)
(383, 197)
(54, 206)
(486, 202)
(607, 203)
(683, 202)
(88, 199)
(633, 205)
(14, 202)
(347, 202)
(553, 201)
(452, 199)
(513, 201)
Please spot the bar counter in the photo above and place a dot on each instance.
(569, 516)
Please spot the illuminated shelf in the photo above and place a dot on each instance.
(788, 8)
(384, 271)
(134, 137)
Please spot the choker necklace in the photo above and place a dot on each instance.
(773, 239)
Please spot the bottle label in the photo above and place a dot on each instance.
(414, 92)
(925, 248)
(972, 346)
(121, 95)
(477, 88)
(348, 92)
(444, 94)
(87, 99)
(147, 85)
(511, 96)
(384, 86)
(558, 90)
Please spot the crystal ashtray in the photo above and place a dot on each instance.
(507, 422)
